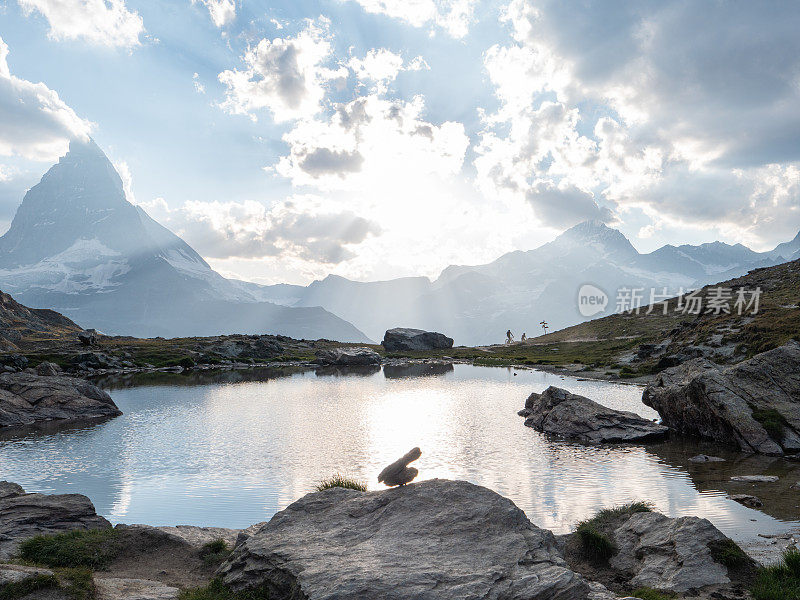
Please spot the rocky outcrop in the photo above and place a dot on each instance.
(404, 339)
(26, 515)
(676, 555)
(27, 399)
(348, 357)
(434, 540)
(119, 588)
(559, 412)
(649, 549)
(754, 405)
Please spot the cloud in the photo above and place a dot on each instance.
(34, 122)
(103, 22)
(198, 86)
(686, 112)
(301, 227)
(287, 76)
(222, 11)
(453, 16)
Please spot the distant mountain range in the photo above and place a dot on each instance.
(477, 304)
(78, 246)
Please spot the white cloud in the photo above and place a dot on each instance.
(684, 112)
(454, 16)
(301, 227)
(104, 22)
(198, 86)
(222, 11)
(34, 122)
(288, 76)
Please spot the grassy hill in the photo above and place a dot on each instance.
(21, 327)
(611, 344)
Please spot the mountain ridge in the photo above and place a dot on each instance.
(78, 246)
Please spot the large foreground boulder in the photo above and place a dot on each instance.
(26, 515)
(348, 357)
(434, 540)
(404, 339)
(559, 412)
(754, 405)
(26, 399)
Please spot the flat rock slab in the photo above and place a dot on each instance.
(733, 405)
(25, 515)
(115, 588)
(434, 540)
(27, 399)
(559, 412)
(197, 537)
(755, 478)
(19, 573)
(704, 458)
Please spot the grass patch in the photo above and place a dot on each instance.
(728, 553)
(215, 552)
(606, 516)
(342, 482)
(597, 546)
(772, 421)
(92, 549)
(780, 581)
(216, 590)
(20, 589)
(79, 583)
(646, 593)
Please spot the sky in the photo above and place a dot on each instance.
(372, 139)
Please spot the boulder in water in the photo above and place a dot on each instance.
(559, 412)
(405, 339)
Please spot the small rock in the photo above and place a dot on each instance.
(705, 458)
(755, 478)
(88, 337)
(404, 339)
(747, 500)
(399, 473)
(48, 369)
(795, 486)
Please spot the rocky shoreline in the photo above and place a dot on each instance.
(437, 539)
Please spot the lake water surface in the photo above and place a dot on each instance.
(232, 449)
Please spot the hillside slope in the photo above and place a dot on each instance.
(21, 326)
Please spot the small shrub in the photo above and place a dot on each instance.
(728, 553)
(608, 515)
(215, 552)
(596, 545)
(342, 482)
(216, 590)
(20, 589)
(772, 421)
(93, 549)
(791, 558)
(646, 593)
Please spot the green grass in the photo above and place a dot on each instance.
(728, 553)
(93, 549)
(646, 593)
(215, 552)
(772, 421)
(79, 583)
(780, 581)
(216, 590)
(597, 546)
(596, 543)
(20, 589)
(342, 482)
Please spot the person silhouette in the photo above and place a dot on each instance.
(509, 337)
(524, 337)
